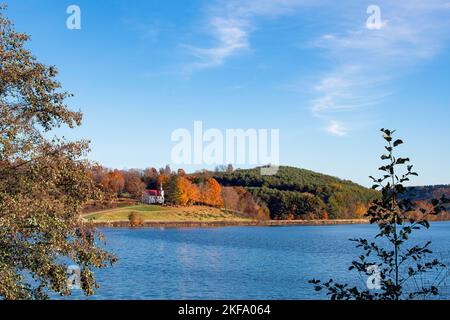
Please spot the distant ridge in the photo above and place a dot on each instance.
(424, 193)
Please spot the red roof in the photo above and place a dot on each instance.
(153, 192)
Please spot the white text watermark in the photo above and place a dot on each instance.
(73, 22)
(234, 146)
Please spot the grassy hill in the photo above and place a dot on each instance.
(295, 193)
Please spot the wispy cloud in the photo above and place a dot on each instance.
(411, 32)
(344, 90)
(336, 128)
(231, 35)
(231, 23)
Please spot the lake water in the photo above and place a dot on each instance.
(237, 262)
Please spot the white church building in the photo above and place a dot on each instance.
(154, 196)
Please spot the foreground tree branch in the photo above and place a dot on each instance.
(44, 183)
(398, 264)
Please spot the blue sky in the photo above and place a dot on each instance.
(312, 69)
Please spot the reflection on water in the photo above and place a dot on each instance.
(238, 262)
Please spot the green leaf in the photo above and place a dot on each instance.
(402, 160)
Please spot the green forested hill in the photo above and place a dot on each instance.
(295, 193)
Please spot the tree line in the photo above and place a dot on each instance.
(291, 194)
(181, 189)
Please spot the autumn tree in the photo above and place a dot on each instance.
(211, 193)
(97, 173)
(230, 198)
(242, 202)
(134, 184)
(114, 182)
(246, 201)
(251, 207)
(44, 183)
(189, 192)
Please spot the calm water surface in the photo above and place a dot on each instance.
(238, 262)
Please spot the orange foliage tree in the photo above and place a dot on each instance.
(189, 192)
(211, 193)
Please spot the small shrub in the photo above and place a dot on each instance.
(135, 219)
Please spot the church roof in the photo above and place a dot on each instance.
(154, 192)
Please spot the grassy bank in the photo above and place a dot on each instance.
(153, 213)
(196, 216)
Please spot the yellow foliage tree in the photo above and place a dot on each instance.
(360, 210)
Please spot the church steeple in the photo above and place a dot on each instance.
(161, 190)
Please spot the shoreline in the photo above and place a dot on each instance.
(220, 224)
